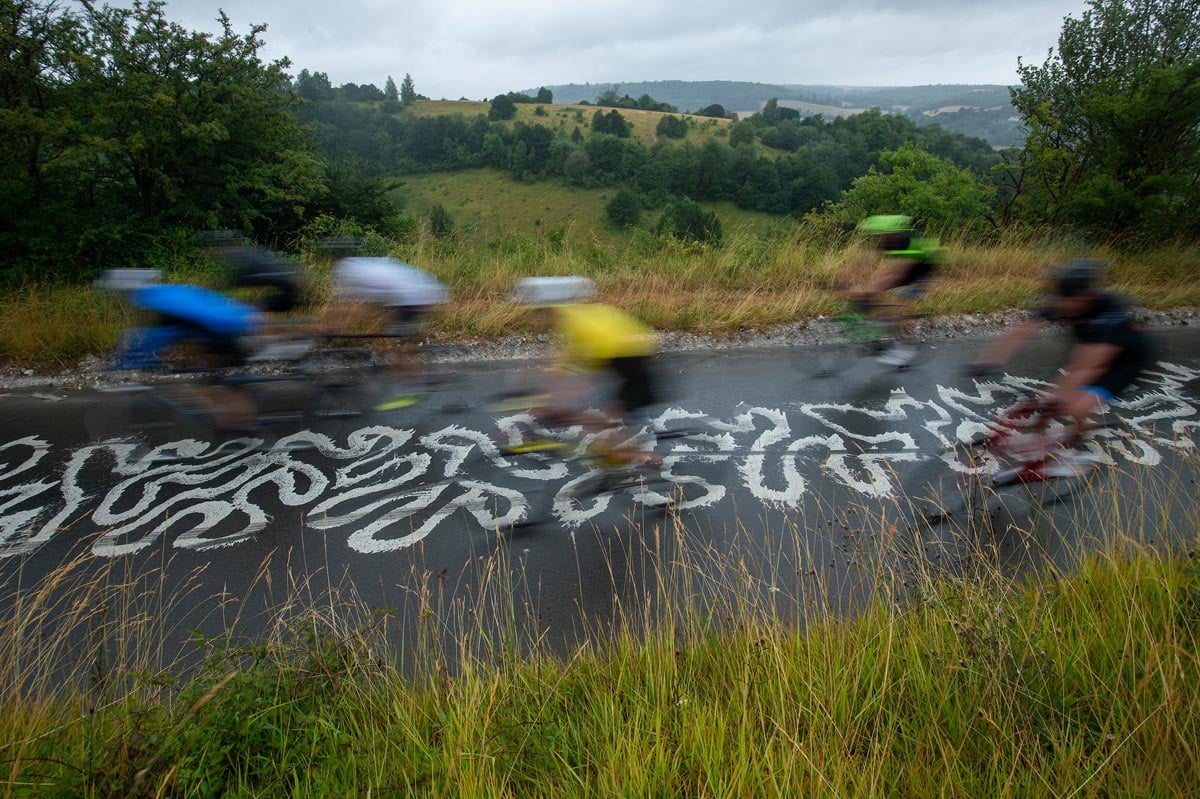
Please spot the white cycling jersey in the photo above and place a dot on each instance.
(386, 281)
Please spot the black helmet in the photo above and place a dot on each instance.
(1077, 277)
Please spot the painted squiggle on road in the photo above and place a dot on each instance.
(384, 488)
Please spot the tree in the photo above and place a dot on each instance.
(389, 89)
(545, 96)
(1114, 122)
(502, 107)
(918, 184)
(672, 127)
(610, 97)
(715, 110)
(624, 209)
(365, 93)
(741, 133)
(408, 93)
(148, 126)
(314, 87)
(612, 123)
(36, 125)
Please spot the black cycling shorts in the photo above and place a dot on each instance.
(1123, 373)
(406, 320)
(637, 385)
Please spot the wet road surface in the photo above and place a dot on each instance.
(787, 486)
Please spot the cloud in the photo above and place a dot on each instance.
(478, 48)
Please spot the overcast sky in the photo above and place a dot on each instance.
(480, 48)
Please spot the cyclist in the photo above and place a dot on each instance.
(595, 341)
(256, 267)
(406, 294)
(1109, 355)
(187, 314)
(911, 262)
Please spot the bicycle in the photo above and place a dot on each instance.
(1016, 448)
(598, 473)
(866, 330)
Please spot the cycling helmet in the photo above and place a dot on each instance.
(541, 292)
(1076, 277)
(125, 281)
(885, 224)
(209, 239)
(341, 245)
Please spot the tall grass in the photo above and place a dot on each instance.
(720, 668)
(755, 280)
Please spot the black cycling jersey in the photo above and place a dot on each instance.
(1110, 321)
(258, 267)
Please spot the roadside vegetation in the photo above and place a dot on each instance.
(695, 221)
(762, 276)
(719, 671)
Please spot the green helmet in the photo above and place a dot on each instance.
(885, 224)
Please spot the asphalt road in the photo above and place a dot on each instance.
(786, 488)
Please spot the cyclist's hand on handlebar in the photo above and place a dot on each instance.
(1050, 405)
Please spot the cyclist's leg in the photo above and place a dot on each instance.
(1081, 405)
(911, 288)
(142, 347)
(637, 389)
(230, 407)
(897, 325)
(405, 366)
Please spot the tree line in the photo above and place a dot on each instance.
(818, 158)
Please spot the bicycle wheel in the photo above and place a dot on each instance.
(146, 417)
(339, 398)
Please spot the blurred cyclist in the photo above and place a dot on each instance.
(182, 314)
(1109, 355)
(253, 266)
(595, 341)
(910, 263)
(363, 286)
(278, 276)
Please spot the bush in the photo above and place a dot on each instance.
(441, 224)
(502, 107)
(914, 182)
(624, 209)
(687, 221)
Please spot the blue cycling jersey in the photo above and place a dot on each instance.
(187, 312)
(205, 309)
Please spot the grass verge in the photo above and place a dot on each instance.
(758, 278)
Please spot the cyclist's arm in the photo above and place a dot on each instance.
(1088, 362)
(1000, 349)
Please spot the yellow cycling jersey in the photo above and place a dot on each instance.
(594, 334)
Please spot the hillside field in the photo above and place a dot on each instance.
(488, 204)
(568, 117)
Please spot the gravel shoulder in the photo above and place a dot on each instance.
(90, 373)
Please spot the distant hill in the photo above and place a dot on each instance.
(984, 111)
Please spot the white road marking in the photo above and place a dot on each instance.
(384, 488)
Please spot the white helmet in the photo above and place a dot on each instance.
(544, 291)
(126, 280)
